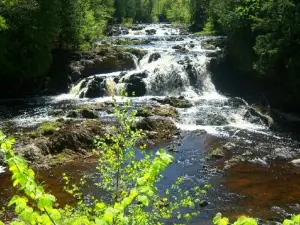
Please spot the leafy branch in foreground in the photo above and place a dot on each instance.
(243, 220)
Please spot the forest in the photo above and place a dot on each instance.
(189, 109)
(263, 36)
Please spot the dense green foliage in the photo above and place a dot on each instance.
(243, 220)
(263, 39)
(31, 29)
(179, 11)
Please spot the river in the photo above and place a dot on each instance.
(262, 182)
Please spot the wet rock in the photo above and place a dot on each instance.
(136, 28)
(208, 46)
(172, 148)
(73, 114)
(56, 112)
(154, 57)
(31, 152)
(150, 32)
(217, 153)
(151, 110)
(233, 161)
(177, 102)
(229, 146)
(101, 60)
(164, 127)
(203, 203)
(139, 53)
(96, 88)
(88, 114)
(191, 71)
(180, 48)
(213, 119)
(284, 153)
(116, 30)
(212, 43)
(296, 162)
(183, 32)
(135, 84)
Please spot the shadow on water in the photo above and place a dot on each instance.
(266, 192)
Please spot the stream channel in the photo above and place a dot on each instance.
(255, 177)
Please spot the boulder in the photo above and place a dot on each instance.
(88, 114)
(164, 127)
(150, 110)
(31, 152)
(73, 114)
(180, 48)
(135, 84)
(95, 88)
(179, 102)
(150, 31)
(115, 30)
(101, 60)
(154, 57)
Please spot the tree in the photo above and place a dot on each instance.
(120, 12)
(130, 9)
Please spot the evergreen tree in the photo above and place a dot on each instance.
(130, 9)
(120, 12)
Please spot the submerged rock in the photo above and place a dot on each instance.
(150, 32)
(154, 57)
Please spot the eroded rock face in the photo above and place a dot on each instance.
(77, 137)
(101, 61)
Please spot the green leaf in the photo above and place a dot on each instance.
(143, 199)
(288, 222)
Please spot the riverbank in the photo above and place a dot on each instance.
(215, 139)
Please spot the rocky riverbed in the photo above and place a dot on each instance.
(239, 148)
